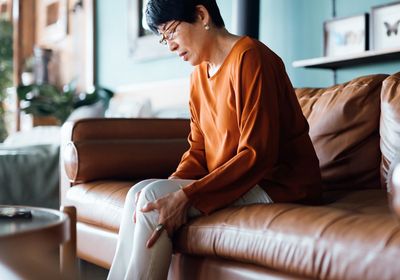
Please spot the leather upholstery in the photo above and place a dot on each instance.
(328, 242)
(390, 123)
(130, 159)
(96, 244)
(195, 268)
(100, 203)
(353, 235)
(129, 147)
(344, 128)
(106, 129)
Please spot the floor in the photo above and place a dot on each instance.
(88, 271)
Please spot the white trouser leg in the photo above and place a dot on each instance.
(133, 260)
(123, 252)
(153, 263)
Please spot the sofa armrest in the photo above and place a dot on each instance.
(396, 190)
(121, 149)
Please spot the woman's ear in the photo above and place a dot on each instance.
(203, 15)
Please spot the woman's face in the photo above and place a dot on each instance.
(185, 39)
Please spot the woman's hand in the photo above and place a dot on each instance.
(172, 210)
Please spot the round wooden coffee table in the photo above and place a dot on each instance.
(30, 245)
(46, 228)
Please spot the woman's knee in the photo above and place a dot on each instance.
(156, 190)
(147, 194)
(131, 195)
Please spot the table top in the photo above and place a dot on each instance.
(44, 221)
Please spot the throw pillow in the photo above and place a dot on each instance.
(95, 110)
(129, 107)
(344, 128)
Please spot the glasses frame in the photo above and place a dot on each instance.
(168, 33)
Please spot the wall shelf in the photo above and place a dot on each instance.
(349, 60)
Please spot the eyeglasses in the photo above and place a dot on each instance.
(169, 32)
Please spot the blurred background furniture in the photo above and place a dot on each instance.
(29, 172)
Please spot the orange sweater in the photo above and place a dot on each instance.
(247, 128)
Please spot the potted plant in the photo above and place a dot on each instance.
(50, 105)
(47, 104)
(6, 57)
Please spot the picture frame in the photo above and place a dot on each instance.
(385, 26)
(345, 36)
(143, 44)
(5, 9)
(52, 21)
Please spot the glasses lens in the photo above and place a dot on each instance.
(168, 34)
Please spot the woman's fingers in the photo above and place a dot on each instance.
(172, 214)
(155, 235)
(149, 206)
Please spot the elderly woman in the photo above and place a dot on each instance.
(249, 141)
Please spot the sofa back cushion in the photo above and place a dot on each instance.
(390, 123)
(344, 128)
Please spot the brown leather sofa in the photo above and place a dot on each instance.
(353, 234)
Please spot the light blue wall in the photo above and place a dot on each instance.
(292, 28)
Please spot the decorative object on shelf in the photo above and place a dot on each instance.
(386, 26)
(143, 44)
(48, 104)
(77, 6)
(6, 70)
(52, 21)
(346, 35)
(42, 58)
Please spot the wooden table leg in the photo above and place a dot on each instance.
(68, 259)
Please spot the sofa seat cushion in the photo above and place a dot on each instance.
(354, 237)
(344, 129)
(100, 203)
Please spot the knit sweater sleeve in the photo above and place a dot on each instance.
(193, 163)
(255, 85)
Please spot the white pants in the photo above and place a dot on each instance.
(132, 259)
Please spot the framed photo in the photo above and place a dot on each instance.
(5, 9)
(385, 26)
(143, 44)
(52, 16)
(346, 35)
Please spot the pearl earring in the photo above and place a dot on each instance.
(206, 27)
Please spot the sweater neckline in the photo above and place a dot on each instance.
(225, 60)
